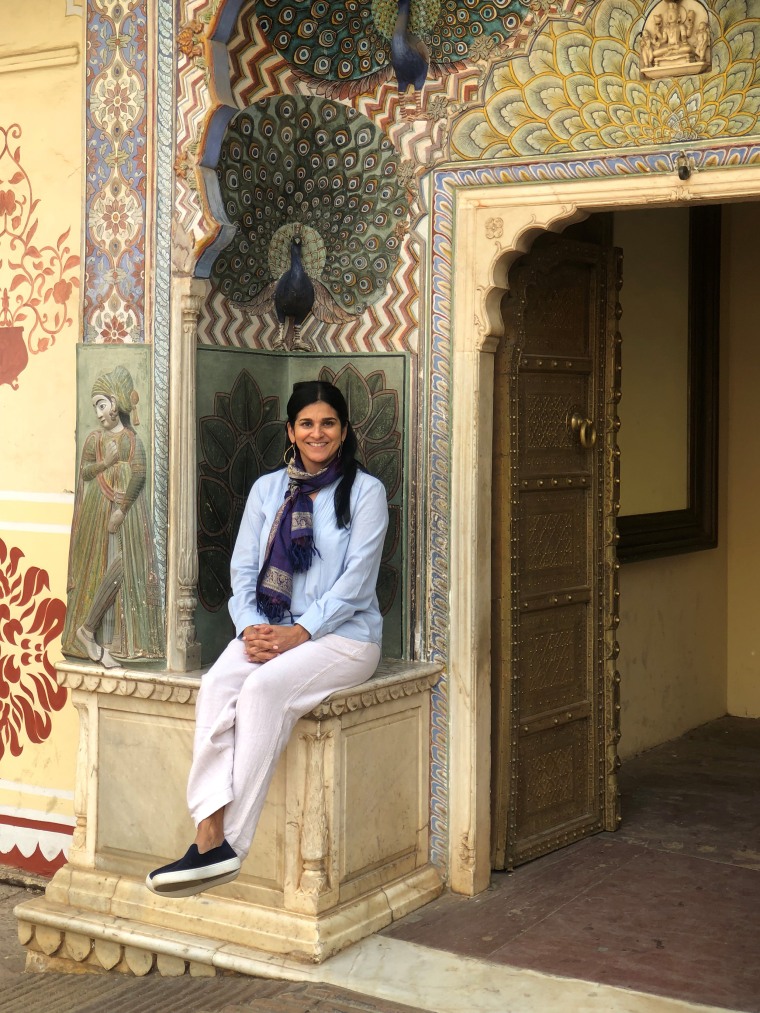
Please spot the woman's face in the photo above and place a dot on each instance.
(104, 407)
(317, 433)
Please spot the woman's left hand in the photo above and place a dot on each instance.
(263, 642)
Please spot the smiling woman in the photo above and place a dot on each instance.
(317, 435)
(304, 603)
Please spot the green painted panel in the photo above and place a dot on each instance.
(241, 399)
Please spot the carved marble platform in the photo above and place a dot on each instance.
(341, 849)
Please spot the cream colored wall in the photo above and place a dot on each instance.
(41, 90)
(742, 416)
(673, 617)
(672, 646)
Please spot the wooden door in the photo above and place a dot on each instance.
(554, 683)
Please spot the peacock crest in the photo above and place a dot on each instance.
(348, 49)
(580, 89)
(314, 190)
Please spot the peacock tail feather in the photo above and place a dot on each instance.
(348, 42)
(310, 166)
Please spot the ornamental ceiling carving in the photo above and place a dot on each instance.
(580, 88)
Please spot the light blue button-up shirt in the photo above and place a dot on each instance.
(337, 593)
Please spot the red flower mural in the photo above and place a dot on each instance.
(29, 622)
(36, 282)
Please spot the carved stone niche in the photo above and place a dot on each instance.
(340, 852)
(675, 40)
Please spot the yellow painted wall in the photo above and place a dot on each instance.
(41, 93)
(690, 624)
(673, 613)
(653, 410)
(742, 416)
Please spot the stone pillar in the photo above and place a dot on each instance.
(183, 652)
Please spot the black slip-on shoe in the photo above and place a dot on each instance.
(195, 872)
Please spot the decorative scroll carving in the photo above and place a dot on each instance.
(370, 694)
(93, 679)
(315, 832)
(53, 948)
(675, 40)
(494, 228)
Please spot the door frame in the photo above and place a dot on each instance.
(482, 218)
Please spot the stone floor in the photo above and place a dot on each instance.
(669, 905)
(662, 917)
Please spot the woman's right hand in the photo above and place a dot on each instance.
(111, 454)
(257, 648)
(264, 642)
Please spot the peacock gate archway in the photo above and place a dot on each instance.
(538, 119)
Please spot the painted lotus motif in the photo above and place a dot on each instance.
(580, 89)
(30, 622)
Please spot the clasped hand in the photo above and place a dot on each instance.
(263, 642)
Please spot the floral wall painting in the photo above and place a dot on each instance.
(117, 167)
(38, 277)
(115, 601)
(31, 620)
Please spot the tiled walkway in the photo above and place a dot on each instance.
(668, 905)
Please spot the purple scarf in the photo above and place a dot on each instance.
(290, 546)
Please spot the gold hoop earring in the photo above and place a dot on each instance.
(340, 448)
(289, 450)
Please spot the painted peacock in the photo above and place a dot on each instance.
(349, 48)
(312, 187)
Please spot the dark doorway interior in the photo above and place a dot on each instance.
(670, 904)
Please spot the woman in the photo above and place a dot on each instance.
(114, 598)
(303, 571)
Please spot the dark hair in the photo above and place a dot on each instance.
(309, 392)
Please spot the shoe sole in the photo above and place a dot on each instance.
(189, 889)
(183, 877)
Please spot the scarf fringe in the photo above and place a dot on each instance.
(273, 608)
(301, 553)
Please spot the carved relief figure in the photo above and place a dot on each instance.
(673, 41)
(114, 605)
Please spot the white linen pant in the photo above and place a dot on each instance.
(244, 715)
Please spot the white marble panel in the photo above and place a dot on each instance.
(446, 983)
(382, 796)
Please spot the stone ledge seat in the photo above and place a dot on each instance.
(341, 850)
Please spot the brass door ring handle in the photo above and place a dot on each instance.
(585, 429)
(587, 434)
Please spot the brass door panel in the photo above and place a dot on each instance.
(554, 592)
(552, 543)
